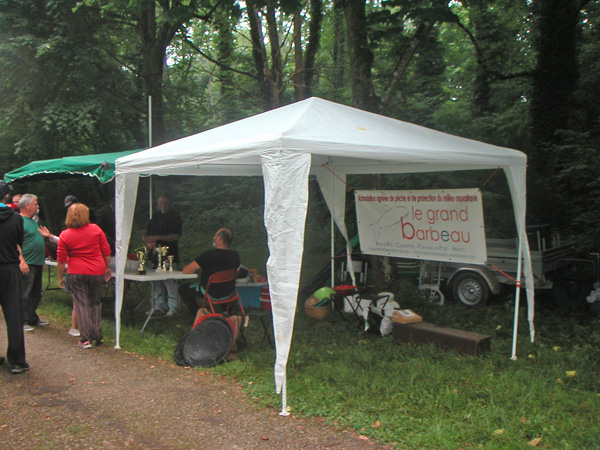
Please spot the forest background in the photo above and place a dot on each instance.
(81, 77)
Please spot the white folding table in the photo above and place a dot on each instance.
(50, 264)
(157, 275)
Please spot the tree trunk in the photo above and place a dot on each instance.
(298, 59)
(314, 39)
(421, 35)
(338, 46)
(276, 82)
(557, 73)
(155, 37)
(363, 94)
(225, 47)
(360, 57)
(480, 19)
(259, 54)
(554, 82)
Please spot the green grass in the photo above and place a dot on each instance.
(416, 396)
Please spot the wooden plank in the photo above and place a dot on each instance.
(462, 341)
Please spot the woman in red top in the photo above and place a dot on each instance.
(85, 250)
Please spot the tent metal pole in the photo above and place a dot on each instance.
(332, 225)
(332, 232)
(150, 197)
(150, 194)
(517, 301)
(149, 121)
(284, 406)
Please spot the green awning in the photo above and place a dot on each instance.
(101, 166)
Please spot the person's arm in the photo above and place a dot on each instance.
(108, 273)
(60, 274)
(191, 267)
(22, 264)
(46, 233)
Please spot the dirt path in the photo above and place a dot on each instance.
(109, 399)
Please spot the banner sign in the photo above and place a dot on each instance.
(436, 225)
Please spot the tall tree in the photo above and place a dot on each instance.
(555, 80)
(61, 92)
(156, 23)
(360, 56)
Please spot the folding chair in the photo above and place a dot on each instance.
(228, 276)
(359, 267)
(224, 276)
(360, 304)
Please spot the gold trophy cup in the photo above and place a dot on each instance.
(162, 252)
(141, 257)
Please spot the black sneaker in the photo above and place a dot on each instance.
(41, 323)
(2, 359)
(19, 368)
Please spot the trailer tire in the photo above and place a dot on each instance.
(469, 288)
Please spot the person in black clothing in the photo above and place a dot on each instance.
(70, 199)
(221, 257)
(12, 267)
(107, 223)
(164, 230)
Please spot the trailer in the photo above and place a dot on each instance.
(473, 284)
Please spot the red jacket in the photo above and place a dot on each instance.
(83, 249)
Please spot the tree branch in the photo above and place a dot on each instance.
(481, 60)
(218, 63)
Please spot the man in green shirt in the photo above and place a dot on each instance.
(34, 252)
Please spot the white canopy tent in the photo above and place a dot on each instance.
(285, 146)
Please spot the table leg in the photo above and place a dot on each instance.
(48, 282)
(152, 299)
(151, 313)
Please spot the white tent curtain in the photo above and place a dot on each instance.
(516, 177)
(333, 188)
(126, 195)
(286, 202)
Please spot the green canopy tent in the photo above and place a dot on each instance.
(100, 166)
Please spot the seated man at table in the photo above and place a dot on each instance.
(219, 258)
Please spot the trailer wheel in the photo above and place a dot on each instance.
(470, 289)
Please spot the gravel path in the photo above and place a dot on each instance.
(110, 399)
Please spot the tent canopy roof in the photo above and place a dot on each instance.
(284, 146)
(100, 166)
(355, 141)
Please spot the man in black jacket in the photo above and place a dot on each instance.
(11, 279)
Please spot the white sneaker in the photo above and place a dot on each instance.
(170, 313)
(27, 327)
(74, 332)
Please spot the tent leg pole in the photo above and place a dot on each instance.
(332, 245)
(284, 407)
(516, 323)
(513, 356)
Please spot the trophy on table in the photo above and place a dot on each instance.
(162, 252)
(170, 263)
(141, 257)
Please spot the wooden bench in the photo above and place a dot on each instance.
(462, 341)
